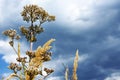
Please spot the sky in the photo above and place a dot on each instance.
(91, 26)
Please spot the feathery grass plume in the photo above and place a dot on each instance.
(42, 50)
(66, 73)
(40, 54)
(75, 66)
(18, 50)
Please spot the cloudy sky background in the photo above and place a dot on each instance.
(92, 26)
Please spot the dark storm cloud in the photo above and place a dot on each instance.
(101, 42)
(101, 45)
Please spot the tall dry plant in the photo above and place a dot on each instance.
(29, 68)
(75, 66)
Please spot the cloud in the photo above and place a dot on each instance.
(78, 15)
(5, 75)
(55, 78)
(113, 76)
(103, 59)
(90, 26)
(14, 9)
(8, 53)
(81, 15)
(59, 68)
(57, 64)
(10, 56)
(51, 77)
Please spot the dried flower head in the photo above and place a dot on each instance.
(10, 33)
(31, 54)
(24, 30)
(32, 13)
(17, 37)
(14, 67)
(31, 32)
(11, 43)
(20, 59)
(48, 71)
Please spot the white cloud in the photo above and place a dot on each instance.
(55, 78)
(10, 56)
(8, 53)
(50, 77)
(56, 64)
(10, 10)
(5, 74)
(76, 14)
(59, 68)
(113, 76)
